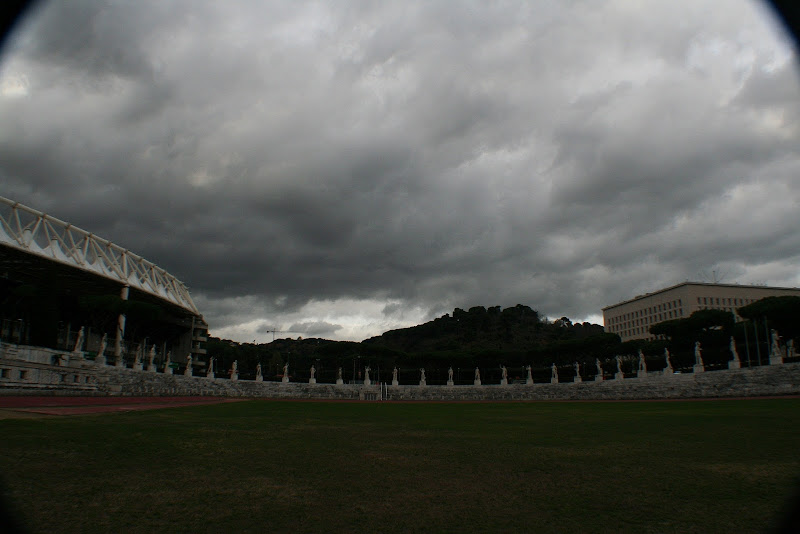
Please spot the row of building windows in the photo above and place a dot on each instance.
(723, 301)
(638, 322)
(723, 308)
(658, 308)
(641, 326)
(650, 319)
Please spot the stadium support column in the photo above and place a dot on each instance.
(120, 327)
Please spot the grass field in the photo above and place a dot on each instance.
(260, 466)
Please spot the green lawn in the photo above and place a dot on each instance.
(260, 466)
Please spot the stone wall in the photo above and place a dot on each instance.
(34, 373)
(37, 371)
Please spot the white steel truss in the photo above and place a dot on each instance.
(34, 232)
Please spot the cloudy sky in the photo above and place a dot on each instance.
(338, 169)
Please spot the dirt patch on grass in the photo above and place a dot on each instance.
(22, 407)
(16, 414)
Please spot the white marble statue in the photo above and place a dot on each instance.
(668, 369)
(339, 379)
(529, 378)
(137, 359)
(578, 377)
(450, 374)
(150, 357)
(503, 375)
(235, 370)
(642, 362)
(285, 372)
(775, 352)
(168, 364)
(698, 354)
(313, 378)
(101, 352)
(599, 368)
(258, 370)
(422, 374)
(775, 347)
(210, 370)
(188, 371)
(554, 374)
(477, 381)
(619, 367)
(79, 341)
(394, 374)
(735, 362)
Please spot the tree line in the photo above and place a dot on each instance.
(514, 337)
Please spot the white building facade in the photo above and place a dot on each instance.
(632, 319)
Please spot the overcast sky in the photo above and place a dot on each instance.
(338, 169)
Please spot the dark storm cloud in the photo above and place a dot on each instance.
(314, 168)
(90, 38)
